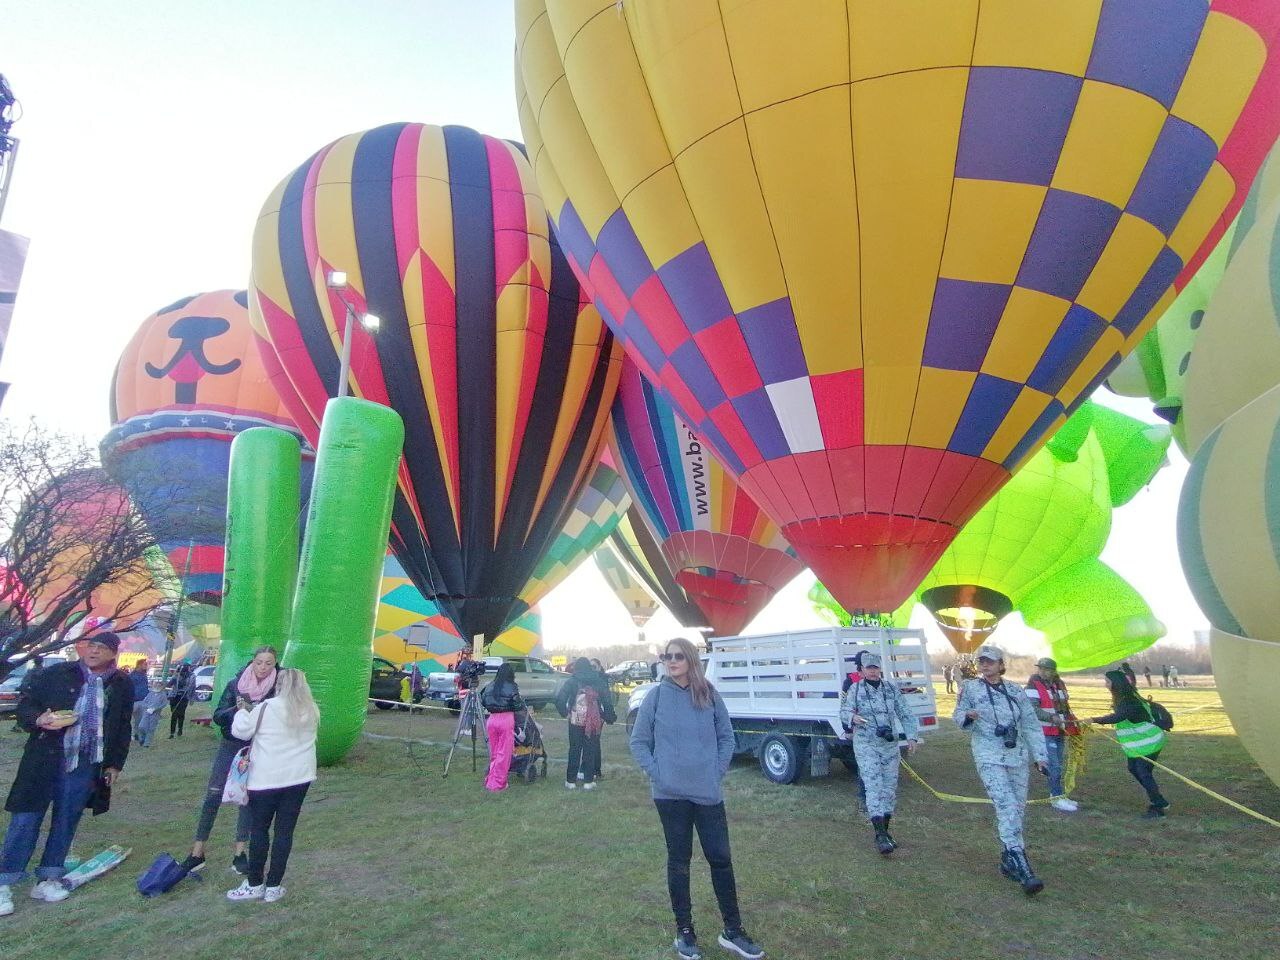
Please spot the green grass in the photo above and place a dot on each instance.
(390, 861)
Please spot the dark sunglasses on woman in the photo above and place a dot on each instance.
(678, 657)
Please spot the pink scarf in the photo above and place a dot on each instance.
(253, 689)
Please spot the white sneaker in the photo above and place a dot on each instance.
(1065, 805)
(245, 892)
(589, 786)
(6, 901)
(50, 891)
(272, 894)
(570, 786)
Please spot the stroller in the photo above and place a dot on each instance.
(529, 749)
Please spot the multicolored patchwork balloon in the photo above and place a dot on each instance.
(501, 368)
(725, 552)
(876, 253)
(627, 586)
(634, 543)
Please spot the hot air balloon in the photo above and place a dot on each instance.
(601, 505)
(640, 553)
(500, 367)
(188, 382)
(875, 254)
(409, 627)
(626, 586)
(727, 555)
(1228, 526)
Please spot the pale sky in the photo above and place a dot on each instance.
(153, 130)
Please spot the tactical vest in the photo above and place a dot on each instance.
(1045, 695)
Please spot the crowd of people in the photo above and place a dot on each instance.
(83, 715)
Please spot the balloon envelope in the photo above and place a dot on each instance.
(876, 253)
(729, 557)
(627, 586)
(500, 368)
(188, 382)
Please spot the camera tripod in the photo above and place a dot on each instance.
(470, 717)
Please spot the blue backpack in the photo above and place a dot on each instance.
(162, 876)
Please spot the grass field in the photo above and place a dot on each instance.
(391, 861)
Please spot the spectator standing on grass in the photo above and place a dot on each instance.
(1140, 738)
(1048, 695)
(947, 675)
(282, 766)
(1146, 672)
(587, 703)
(1164, 679)
(141, 687)
(78, 716)
(1173, 677)
(1005, 736)
(501, 699)
(683, 741)
(255, 682)
(184, 691)
(1129, 674)
(152, 708)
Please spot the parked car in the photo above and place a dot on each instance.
(9, 688)
(630, 671)
(539, 682)
(386, 684)
(204, 682)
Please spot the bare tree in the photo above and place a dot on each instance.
(71, 542)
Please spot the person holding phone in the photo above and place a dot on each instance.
(253, 684)
(1005, 737)
(684, 742)
(79, 717)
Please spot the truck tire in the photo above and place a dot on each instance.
(383, 705)
(783, 757)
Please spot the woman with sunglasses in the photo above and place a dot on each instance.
(684, 742)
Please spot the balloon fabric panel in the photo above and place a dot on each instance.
(500, 367)
(634, 542)
(626, 586)
(938, 165)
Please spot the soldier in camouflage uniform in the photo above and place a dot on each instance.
(873, 712)
(1005, 735)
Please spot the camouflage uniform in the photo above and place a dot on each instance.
(877, 758)
(1004, 771)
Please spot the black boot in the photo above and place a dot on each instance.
(888, 817)
(883, 843)
(1031, 884)
(1006, 866)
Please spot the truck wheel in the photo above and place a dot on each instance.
(455, 706)
(781, 758)
(383, 705)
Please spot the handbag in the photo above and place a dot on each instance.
(236, 789)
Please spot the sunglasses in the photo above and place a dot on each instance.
(678, 657)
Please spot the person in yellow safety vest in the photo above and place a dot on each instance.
(1139, 737)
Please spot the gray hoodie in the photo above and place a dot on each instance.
(685, 750)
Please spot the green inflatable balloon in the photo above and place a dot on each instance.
(331, 635)
(263, 487)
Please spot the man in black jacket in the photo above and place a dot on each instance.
(78, 715)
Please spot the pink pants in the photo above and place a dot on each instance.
(502, 739)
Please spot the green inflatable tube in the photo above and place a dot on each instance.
(331, 637)
(261, 563)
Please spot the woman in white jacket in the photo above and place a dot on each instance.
(282, 764)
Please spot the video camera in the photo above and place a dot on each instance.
(469, 672)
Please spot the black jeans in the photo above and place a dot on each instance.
(679, 819)
(227, 751)
(584, 754)
(1144, 773)
(282, 805)
(177, 715)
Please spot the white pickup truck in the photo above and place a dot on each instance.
(782, 691)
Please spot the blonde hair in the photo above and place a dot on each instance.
(699, 686)
(294, 695)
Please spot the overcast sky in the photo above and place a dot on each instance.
(153, 130)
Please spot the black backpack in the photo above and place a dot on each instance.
(1160, 715)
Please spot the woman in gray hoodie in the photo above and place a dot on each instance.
(683, 741)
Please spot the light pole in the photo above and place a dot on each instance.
(337, 281)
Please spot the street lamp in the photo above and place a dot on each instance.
(337, 281)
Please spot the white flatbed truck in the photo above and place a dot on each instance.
(783, 690)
